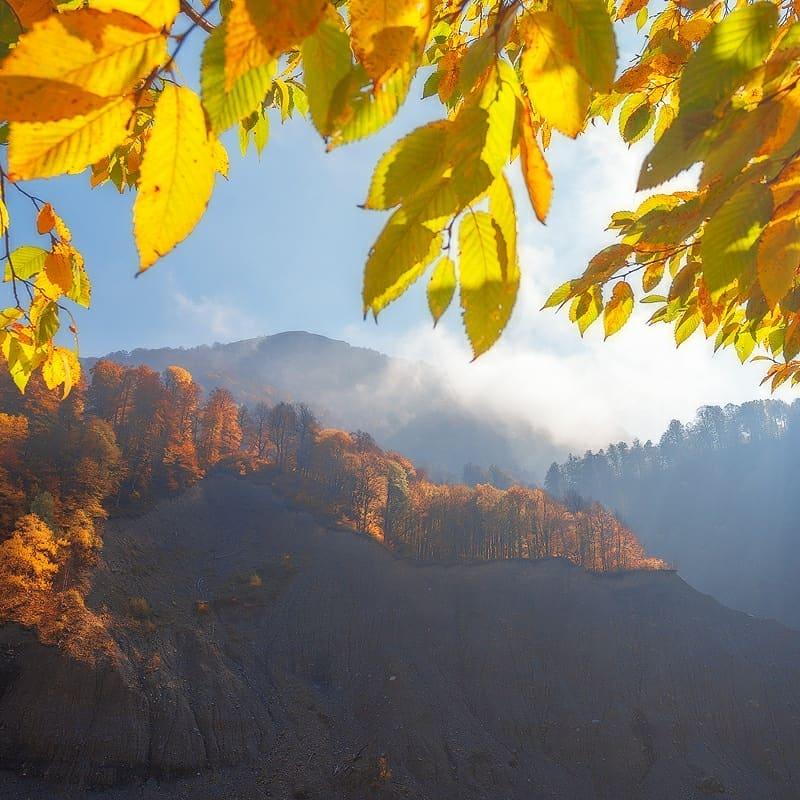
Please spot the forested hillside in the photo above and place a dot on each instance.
(259, 655)
(407, 406)
(718, 497)
(133, 436)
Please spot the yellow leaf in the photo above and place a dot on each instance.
(441, 287)
(558, 91)
(504, 214)
(627, 8)
(26, 99)
(45, 219)
(220, 155)
(387, 34)
(158, 13)
(618, 309)
(67, 61)
(398, 258)
(53, 370)
(586, 308)
(538, 180)
(259, 30)
(488, 292)
(177, 175)
(778, 259)
(4, 218)
(45, 149)
(417, 158)
(61, 367)
(58, 267)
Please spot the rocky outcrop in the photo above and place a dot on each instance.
(326, 668)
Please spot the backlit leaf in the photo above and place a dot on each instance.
(732, 48)
(177, 175)
(538, 180)
(226, 106)
(327, 61)
(549, 70)
(68, 62)
(728, 246)
(45, 149)
(779, 258)
(417, 158)
(618, 309)
(441, 287)
(158, 13)
(488, 292)
(595, 44)
(387, 34)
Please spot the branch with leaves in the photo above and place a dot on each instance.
(95, 85)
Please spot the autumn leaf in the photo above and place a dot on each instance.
(441, 287)
(227, 103)
(618, 309)
(549, 70)
(260, 30)
(45, 219)
(779, 258)
(388, 34)
(488, 292)
(177, 175)
(44, 149)
(70, 63)
(58, 267)
(538, 180)
(158, 13)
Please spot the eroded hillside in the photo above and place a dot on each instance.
(280, 659)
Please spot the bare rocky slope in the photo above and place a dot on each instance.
(318, 665)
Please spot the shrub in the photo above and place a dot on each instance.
(139, 608)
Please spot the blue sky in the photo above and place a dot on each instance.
(282, 247)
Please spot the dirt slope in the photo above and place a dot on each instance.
(348, 673)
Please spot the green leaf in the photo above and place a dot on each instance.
(261, 132)
(327, 61)
(736, 45)
(27, 262)
(441, 287)
(80, 291)
(408, 165)
(488, 292)
(594, 39)
(686, 326)
(399, 256)
(561, 295)
(728, 246)
(47, 323)
(226, 108)
(372, 108)
(23, 359)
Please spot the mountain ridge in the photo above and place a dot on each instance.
(407, 405)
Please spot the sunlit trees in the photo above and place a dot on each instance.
(220, 434)
(29, 557)
(181, 403)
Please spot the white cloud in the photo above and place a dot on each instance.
(213, 316)
(585, 392)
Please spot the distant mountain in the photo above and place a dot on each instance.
(407, 406)
(719, 498)
(270, 658)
